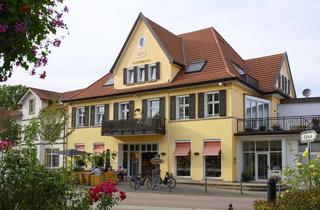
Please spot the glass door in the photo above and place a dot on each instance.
(262, 166)
(134, 163)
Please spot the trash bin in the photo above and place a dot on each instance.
(272, 190)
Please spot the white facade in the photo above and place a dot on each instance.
(297, 109)
(42, 146)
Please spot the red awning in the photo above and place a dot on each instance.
(98, 148)
(183, 149)
(79, 147)
(211, 148)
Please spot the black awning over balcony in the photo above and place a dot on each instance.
(278, 125)
(131, 127)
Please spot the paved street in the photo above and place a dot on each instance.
(187, 197)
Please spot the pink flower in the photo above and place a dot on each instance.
(50, 11)
(58, 22)
(3, 28)
(57, 43)
(33, 72)
(43, 75)
(20, 26)
(34, 51)
(5, 145)
(66, 9)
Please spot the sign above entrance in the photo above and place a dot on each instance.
(308, 136)
(156, 160)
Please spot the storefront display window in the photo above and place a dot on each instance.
(213, 166)
(183, 165)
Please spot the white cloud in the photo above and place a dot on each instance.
(254, 28)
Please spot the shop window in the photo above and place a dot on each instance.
(183, 165)
(262, 145)
(213, 166)
(275, 161)
(248, 166)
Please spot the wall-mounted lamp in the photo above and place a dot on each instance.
(221, 84)
(163, 153)
(137, 110)
(196, 153)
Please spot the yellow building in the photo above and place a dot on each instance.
(178, 96)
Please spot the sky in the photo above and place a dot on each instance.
(98, 29)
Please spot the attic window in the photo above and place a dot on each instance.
(238, 68)
(196, 66)
(110, 81)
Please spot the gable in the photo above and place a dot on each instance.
(285, 74)
(149, 53)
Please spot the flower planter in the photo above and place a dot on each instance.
(87, 178)
(111, 177)
(96, 180)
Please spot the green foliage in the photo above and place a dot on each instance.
(10, 130)
(10, 95)
(293, 200)
(53, 122)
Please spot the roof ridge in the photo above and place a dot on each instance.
(195, 31)
(160, 26)
(45, 90)
(221, 52)
(266, 56)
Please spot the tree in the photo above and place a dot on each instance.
(28, 28)
(10, 130)
(53, 123)
(10, 95)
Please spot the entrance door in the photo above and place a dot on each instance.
(146, 165)
(262, 166)
(134, 163)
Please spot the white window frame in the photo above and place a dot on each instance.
(206, 103)
(97, 122)
(149, 114)
(258, 101)
(82, 116)
(130, 80)
(32, 106)
(127, 110)
(50, 154)
(141, 69)
(152, 67)
(183, 106)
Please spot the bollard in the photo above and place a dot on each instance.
(230, 207)
(272, 190)
(241, 187)
(205, 184)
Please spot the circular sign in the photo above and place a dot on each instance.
(156, 161)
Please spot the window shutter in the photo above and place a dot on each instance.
(131, 109)
(289, 87)
(223, 102)
(144, 108)
(279, 81)
(146, 72)
(135, 74)
(73, 117)
(125, 74)
(162, 110)
(158, 70)
(115, 111)
(192, 109)
(172, 107)
(106, 112)
(86, 116)
(92, 115)
(201, 105)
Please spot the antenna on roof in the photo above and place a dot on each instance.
(306, 92)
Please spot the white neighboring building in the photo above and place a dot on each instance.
(32, 102)
(270, 149)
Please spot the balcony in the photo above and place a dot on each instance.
(148, 126)
(278, 125)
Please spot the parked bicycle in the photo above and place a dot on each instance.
(137, 181)
(157, 182)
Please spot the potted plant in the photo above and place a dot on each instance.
(276, 127)
(316, 123)
(262, 128)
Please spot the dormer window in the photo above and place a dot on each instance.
(141, 74)
(152, 72)
(31, 106)
(238, 68)
(130, 76)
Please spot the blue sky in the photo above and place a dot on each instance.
(98, 29)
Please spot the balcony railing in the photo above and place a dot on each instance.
(290, 124)
(130, 127)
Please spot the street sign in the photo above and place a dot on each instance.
(308, 136)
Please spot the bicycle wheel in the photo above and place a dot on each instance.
(133, 183)
(172, 183)
(150, 183)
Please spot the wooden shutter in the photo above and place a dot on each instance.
(289, 86)
(106, 113)
(201, 105)
(162, 110)
(131, 109)
(125, 74)
(135, 74)
(172, 107)
(223, 102)
(146, 76)
(144, 108)
(115, 111)
(192, 106)
(158, 70)
(92, 115)
(86, 116)
(73, 117)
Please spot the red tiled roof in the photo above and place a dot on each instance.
(206, 44)
(51, 95)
